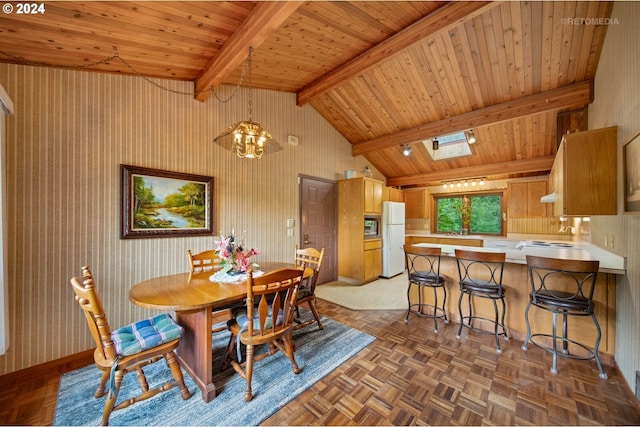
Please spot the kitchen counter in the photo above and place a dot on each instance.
(516, 251)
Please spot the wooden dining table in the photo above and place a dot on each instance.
(193, 296)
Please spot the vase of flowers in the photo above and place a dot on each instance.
(231, 250)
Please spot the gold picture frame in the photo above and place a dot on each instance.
(158, 203)
(631, 178)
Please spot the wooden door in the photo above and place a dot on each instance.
(318, 222)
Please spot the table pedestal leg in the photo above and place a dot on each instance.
(195, 349)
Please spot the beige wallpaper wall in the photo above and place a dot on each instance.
(70, 133)
(617, 86)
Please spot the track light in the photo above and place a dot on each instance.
(406, 149)
(471, 138)
(467, 182)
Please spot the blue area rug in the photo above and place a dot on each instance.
(274, 385)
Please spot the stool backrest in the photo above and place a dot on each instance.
(480, 268)
(569, 284)
(422, 261)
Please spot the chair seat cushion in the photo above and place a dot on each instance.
(304, 292)
(426, 277)
(560, 300)
(241, 318)
(482, 288)
(145, 334)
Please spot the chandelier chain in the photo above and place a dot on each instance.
(250, 82)
(116, 56)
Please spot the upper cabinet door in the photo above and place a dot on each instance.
(372, 196)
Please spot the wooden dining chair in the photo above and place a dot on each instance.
(129, 348)
(308, 258)
(270, 321)
(204, 261)
(208, 260)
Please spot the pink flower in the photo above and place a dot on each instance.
(232, 253)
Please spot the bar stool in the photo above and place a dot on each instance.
(423, 271)
(481, 276)
(563, 287)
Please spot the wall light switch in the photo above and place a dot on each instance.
(290, 222)
(290, 232)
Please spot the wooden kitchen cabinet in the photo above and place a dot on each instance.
(372, 259)
(390, 194)
(372, 196)
(416, 203)
(358, 260)
(524, 199)
(584, 174)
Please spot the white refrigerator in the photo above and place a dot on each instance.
(392, 238)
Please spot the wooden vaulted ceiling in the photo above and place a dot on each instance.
(382, 73)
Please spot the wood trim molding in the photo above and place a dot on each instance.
(434, 178)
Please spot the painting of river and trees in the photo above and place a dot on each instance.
(161, 203)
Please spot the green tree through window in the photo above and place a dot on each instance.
(484, 213)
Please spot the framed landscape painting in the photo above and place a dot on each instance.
(158, 203)
(631, 159)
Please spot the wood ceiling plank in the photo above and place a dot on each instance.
(439, 21)
(481, 52)
(518, 52)
(261, 22)
(547, 45)
(536, 42)
(578, 94)
(599, 33)
(464, 60)
(499, 67)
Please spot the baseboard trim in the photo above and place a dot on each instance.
(55, 367)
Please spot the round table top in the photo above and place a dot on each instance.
(192, 291)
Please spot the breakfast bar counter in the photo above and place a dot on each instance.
(516, 283)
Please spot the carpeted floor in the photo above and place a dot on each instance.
(274, 385)
(381, 294)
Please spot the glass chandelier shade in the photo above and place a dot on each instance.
(248, 140)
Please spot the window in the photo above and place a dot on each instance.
(469, 214)
(450, 146)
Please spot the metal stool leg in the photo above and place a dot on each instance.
(526, 321)
(495, 328)
(554, 369)
(406, 319)
(602, 375)
(461, 317)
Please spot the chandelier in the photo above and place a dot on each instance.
(248, 139)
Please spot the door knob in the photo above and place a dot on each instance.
(306, 239)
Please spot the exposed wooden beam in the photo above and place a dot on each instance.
(540, 164)
(575, 95)
(261, 22)
(437, 22)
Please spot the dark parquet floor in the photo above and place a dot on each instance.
(409, 376)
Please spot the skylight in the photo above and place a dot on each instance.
(450, 146)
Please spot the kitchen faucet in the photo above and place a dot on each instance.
(567, 229)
